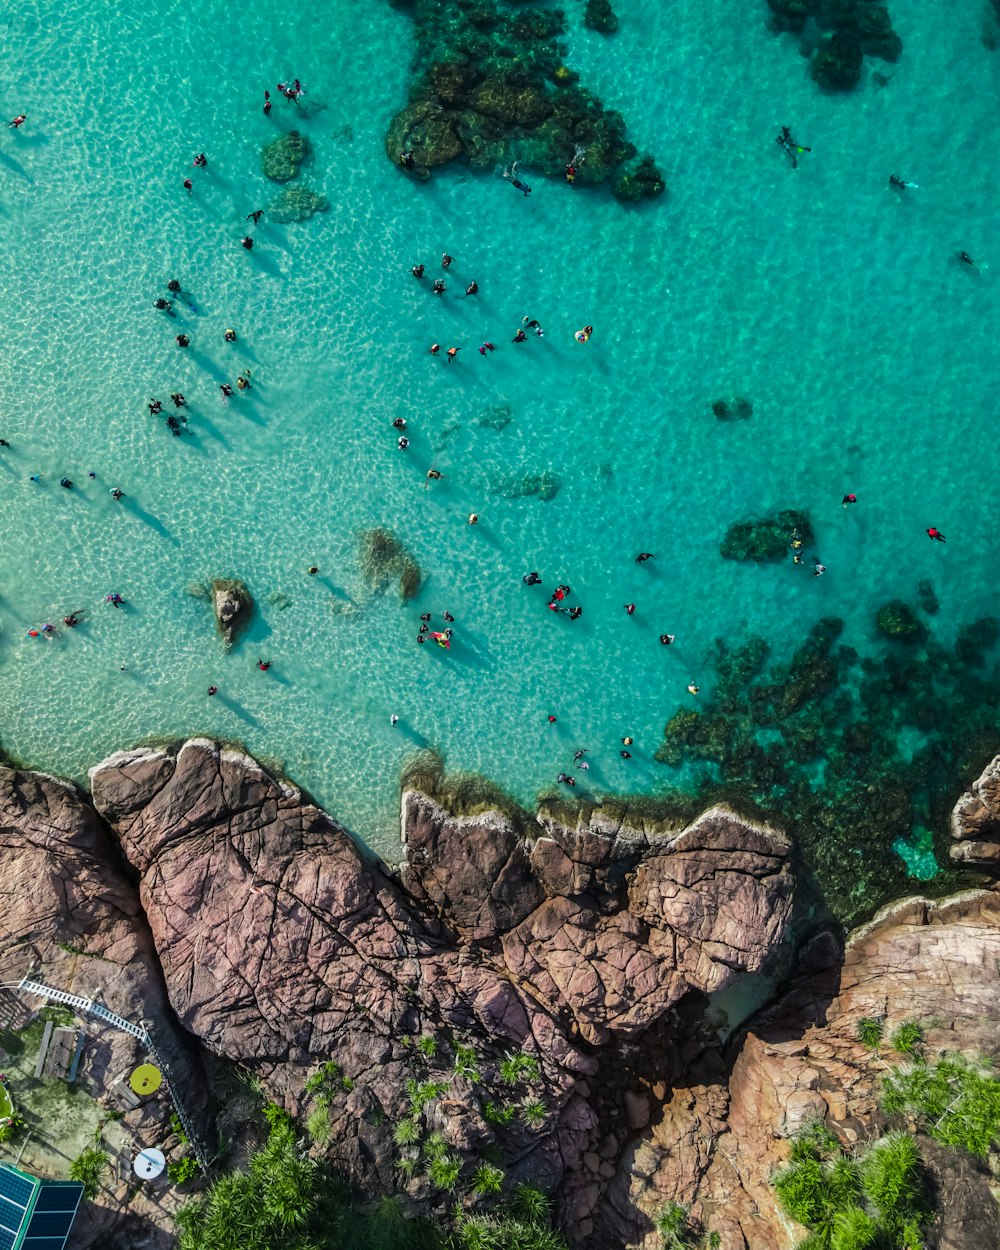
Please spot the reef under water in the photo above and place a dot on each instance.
(490, 87)
(860, 759)
(837, 35)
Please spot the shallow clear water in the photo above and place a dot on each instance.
(832, 303)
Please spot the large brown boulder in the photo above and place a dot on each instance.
(234, 608)
(975, 821)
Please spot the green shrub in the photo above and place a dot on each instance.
(487, 1179)
(672, 1225)
(870, 1030)
(407, 1132)
(177, 1128)
(518, 1067)
(420, 1094)
(88, 1167)
(444, 1171)
(489, 1232)
(466, 1063)
(892, 1176)
(318, 1125)
(495, 1113)
(427, 1046)
(530, 1204)
(907, 1038)
(956, 1102)
(184, 1170)
(533, 1112)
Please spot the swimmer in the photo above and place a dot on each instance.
(154, 407)
(446, 260)
(531, 579)
(692, 688)
(435, 348)
(449, 618)
(267, 102)
(73, 619)
(92, 476)
(213, 690)
(567, 781)
(200, 161)
(511, 176)
(4, 443)
(434, 475)
(936, 535)
(666, 639)
(421, 638)
(66, 483)
(263, 665)
(575, 613)
(312, 570)
(452, 353)
(627, 742)
(630, 608)
(578, 755)
(403, 442)
(182, 340)
(417, 271)
(243, 381)
(533, 325)
(966, 259)
(18, 121)
(34, 478)
(584, 765)
(552, 719)
(472, 288)
(48, 629)
(439, 287)
(520, 337)
(174, 426)
(114, 599)
(423, 630)
(226, 390)
(626, 755)
(487, 347)
(189, 186)
(162, 304)
(406, 159)
(174, 286)
(473, 518)
(643, 556)
(393, 720)
(571, 173)
(425, 617)
(899, 185)
(116, 493)
(255, 216)
(230, 336)
(247, 242)
(178, 398)
(848, 499)
(399, 423)
(819, 569)
(788, 144)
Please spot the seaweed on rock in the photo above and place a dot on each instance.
(850, 755)
(490, 85)
(384, 558)
(767, 539)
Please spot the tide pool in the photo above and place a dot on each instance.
(834, 304)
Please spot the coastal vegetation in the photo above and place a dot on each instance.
(954, 1100)
(876, 1198)
(284, 1197)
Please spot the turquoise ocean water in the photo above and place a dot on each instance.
(835, 305)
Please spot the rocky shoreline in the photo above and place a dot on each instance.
(575, 965)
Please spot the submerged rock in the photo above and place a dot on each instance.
(280, 159)
(639, 181)
(897, 620)
(234, 608)
(737, 408)
(768, 539)
(599, 15)
(545, 485)
(838, 60)
(296, 204)
(496, 418)
(384, 558)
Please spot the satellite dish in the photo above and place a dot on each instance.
(148, 1163)
(146, 1079)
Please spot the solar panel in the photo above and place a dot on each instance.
(43, 1243)
(16, 1187)
(54, 1225)
(10, 1215)
(59, 1196)
(6, 1239)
